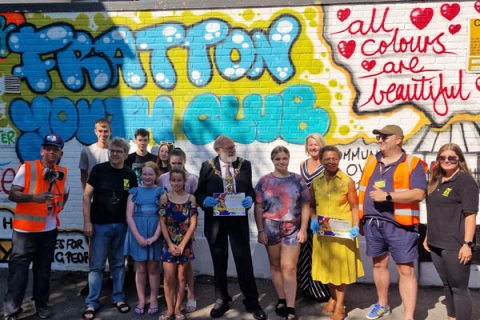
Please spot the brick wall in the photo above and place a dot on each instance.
(265, 76)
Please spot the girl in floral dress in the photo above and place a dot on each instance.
(178, 218)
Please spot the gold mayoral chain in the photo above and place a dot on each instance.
(229, 179)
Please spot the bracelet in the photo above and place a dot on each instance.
(260, 231)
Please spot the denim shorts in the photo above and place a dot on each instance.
(384, 236)
(284, 232)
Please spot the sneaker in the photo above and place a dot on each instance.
(10, 318)
(43, 310)
(378, 311)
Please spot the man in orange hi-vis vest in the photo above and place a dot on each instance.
(40, 190)
(392, 185)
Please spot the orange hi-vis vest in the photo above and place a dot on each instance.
(32, 216)
(403, 214)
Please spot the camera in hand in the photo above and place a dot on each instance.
(51, 175)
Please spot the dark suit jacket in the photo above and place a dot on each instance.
(208, 184)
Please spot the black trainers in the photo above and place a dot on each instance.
(43, 310)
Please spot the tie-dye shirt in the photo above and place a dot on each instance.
(282, 198)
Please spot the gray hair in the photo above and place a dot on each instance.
(120, 143)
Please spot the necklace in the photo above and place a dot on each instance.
(230, 179)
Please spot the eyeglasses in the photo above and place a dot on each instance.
(115, 151)
(383, 136)
(231, 148)
(451, 159)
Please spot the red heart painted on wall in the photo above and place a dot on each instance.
(347, 48)
(368, 65)
(421, 17)
(477, 6)
(450, 11)
(454, 28)
(342, 15)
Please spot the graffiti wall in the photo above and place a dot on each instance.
(263, 76)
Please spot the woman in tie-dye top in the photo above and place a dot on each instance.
(282, 210)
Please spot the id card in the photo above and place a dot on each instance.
(380, 183)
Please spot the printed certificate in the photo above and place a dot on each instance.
(333, 227)
(229, 204)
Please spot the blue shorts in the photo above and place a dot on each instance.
(383, 236)
(284, 232)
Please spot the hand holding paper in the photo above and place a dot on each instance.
(209, 202)
(247, 202)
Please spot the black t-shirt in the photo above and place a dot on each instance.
(135, 161)
(110, 192)
(445, 208)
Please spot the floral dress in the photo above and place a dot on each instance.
(177, 220)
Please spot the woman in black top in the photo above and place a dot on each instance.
(452, 205)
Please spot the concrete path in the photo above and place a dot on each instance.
(68, 304)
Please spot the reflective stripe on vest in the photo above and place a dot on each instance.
(404, 214)
(32, 216)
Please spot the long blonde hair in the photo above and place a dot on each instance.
(437, 173)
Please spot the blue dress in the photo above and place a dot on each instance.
(146, 217)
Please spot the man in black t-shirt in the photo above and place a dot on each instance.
(105, 224)
(139, 157)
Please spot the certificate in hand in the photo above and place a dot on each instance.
(333, 227)
(229, 204)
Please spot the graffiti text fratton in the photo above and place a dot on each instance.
(77, 56)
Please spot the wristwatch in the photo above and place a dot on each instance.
(389, 197)
(470, 244)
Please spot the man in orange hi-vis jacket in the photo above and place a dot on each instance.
(40, 190)
(392, 185)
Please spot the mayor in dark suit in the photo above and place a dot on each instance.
(228, 173)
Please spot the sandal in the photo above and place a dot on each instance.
(281, 309)
(153, 311)
(191, 306)
(165, 317)
(139, 311)
(122, 307)
(179, 317)
(329, 308)
(89, 313)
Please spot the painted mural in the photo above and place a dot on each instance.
(264, 76)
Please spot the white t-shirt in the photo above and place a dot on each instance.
(19, 180)
(91, 156)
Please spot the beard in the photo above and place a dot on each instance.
(227, 158)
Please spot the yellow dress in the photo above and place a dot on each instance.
(334, 260)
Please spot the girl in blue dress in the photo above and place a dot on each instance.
(178, 219)
(142, 240)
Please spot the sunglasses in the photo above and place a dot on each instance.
(451, 159)
(383, 136)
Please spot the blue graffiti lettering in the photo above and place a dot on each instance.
(159, 40)
(284, 33)
(118, 45)
(291, 115)
(4, 30)
(64, 117)
(31, 44)
(76, 55)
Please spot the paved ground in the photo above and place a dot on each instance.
(68, 304)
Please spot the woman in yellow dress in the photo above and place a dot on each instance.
(335, 260)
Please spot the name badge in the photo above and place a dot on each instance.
(380, 183)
